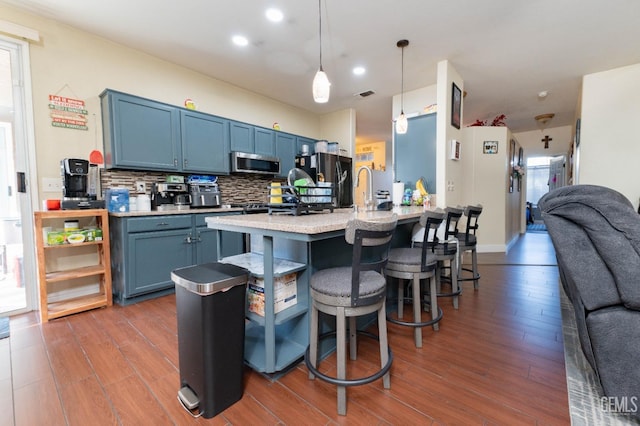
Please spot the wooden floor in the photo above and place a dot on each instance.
(498, 360)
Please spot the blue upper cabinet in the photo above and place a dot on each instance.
(205, 143)
(286, 151)
(139, 133)
(300, 141)
(242, 137)
(265, 141)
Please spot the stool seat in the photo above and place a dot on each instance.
(333, 286)
(408, 259)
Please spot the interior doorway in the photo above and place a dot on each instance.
(17, 288)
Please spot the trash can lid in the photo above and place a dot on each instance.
(209, 278)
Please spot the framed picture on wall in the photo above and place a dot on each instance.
(456, 105)
(512, 162)
(520, 167)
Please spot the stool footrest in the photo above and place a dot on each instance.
(349, 382)
(415, 324)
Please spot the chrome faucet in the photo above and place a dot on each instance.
(368, 202)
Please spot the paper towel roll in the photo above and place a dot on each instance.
(143, 203)
(398, 192)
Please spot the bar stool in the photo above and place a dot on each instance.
(447, 251)
(416, 264)
(468, 242)
(349, 292)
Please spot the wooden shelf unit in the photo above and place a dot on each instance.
(102, 270)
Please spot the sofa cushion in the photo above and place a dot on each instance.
(596, 233)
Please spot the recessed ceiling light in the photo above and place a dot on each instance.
(359, 70)
(274, 15)
(239, 40)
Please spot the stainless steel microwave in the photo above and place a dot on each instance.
(245, 162)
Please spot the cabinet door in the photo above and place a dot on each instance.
(241, 136)
(205, 143)
(265, 141)
(139, 133)
(152, 256)
(286, 151)
(207, 247)
(305, 141)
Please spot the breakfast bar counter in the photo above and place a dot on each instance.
(284, 244)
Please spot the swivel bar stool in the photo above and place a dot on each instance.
(416, 264)
(349, 292)
(468, 242)
(447, 251)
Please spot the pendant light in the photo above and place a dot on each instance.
(321, 85)
(401, 122)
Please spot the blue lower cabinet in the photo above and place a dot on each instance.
(145, 249)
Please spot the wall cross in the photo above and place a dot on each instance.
(546, 141)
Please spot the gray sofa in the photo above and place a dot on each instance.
(596, 235)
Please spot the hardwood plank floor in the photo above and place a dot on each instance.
(497, 360)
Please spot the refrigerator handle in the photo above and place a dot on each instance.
(338, 180)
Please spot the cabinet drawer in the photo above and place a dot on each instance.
(158, 223)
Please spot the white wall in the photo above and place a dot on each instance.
(76, 64)
(486, 182)
(340, 126)
(450, 173)
(534, 147)
(609, 141)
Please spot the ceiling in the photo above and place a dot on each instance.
(506, 51)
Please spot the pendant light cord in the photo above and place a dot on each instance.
(402, 84)
(320, 29)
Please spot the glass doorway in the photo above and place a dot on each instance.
(14, 289)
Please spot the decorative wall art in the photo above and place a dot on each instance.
(456, 106)
(490, 147)
(455, 149)
(512, 162)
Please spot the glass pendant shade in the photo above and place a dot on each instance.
(402, 124)
(321, 87)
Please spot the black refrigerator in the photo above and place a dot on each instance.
(336, 169)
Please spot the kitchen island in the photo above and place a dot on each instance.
(284, 244)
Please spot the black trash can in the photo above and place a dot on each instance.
(210, 301)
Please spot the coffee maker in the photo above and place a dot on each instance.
(75, 187)
(170, 196)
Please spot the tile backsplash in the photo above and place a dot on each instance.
(234, 189)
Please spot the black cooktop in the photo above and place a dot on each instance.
(252, 207)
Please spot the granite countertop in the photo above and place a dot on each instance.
(312, 223)
(217, 210)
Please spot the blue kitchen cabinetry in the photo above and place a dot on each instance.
(242, 136)
(141, 134)
(286, 151)
(145, 249)
(205, 143)
(301, 140)
(253, 139)
(265, 141)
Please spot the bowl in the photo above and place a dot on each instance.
(75, 238)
